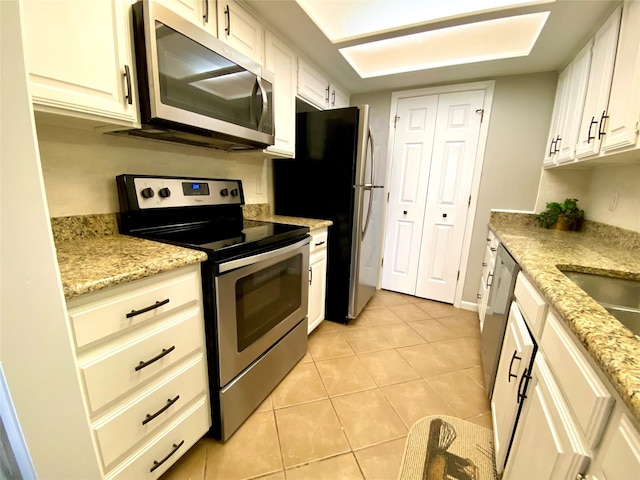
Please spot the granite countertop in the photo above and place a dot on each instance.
(92, 255)
(540, 252)
(261, 212)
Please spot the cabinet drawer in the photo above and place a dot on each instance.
(108, 315)
(531, 303)
(586, 395)
(318, 240)
(124, 428)
(181, 435)
(114, 373)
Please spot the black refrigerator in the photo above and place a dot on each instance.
(334, 176)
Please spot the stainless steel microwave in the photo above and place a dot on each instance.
(195, 89)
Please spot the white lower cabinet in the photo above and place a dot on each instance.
(317, 277)
(619, 454)
(546, 444)
(488, 266)
(515, 359)
(140, 354)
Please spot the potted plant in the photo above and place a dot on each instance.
(562, 216)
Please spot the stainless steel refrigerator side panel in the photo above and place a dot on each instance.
(358, 210)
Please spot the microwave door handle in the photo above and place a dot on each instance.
(252, 108)
(265, 104)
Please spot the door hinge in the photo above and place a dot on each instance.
(469, 204)
(388, 193)
(458, 278)
(382, 262)
(395, 121)
(481, 112)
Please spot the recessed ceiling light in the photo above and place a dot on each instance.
(474, 42)
(342, 20)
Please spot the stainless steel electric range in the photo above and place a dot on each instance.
(255, 283)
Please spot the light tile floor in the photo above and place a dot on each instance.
(345, 409)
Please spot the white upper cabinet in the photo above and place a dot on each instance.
(240, 29)
(79, 58)
(557, 119)
(624, 102)
(198, 12)
(574, 105)
(598, 86)
(315, 87)
(338, 98)
(281, 60)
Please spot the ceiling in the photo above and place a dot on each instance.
(571, 23)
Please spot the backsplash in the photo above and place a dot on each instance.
(595, 189)
(613, 236)
(80, 166)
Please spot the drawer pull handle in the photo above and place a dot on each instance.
(170, 401)
(320, 243)
(133, 313)
(165, 351)
(156, 463)
(489, 278)
(513, 357)
(493, 249)
(310, 275)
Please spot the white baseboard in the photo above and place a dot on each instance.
(469, 306)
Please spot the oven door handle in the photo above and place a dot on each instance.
(246, 261)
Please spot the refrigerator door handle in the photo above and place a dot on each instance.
(369, 186)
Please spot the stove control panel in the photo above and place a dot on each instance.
(164, 192)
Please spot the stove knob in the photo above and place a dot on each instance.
(164, 192)
(224, 192)
(234, 192)
(147, 192)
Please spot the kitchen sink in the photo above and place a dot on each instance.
(619, 296)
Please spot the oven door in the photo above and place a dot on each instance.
(258, 300)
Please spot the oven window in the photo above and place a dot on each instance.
(265, 298)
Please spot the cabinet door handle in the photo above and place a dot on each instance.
(206, 11)
(489, 277)
(133, 313)
(484, 264)
(551, 150)
(558, 140)
(227, 15)
(127, 78)
(524, 380)
(327, 97)
(589, 136)
(493, 249)
(156, 464)
(320, 243)
(165, 351)
(170, 401)
(333, 98)
(513, 357)
(601, 127)
(310, 275)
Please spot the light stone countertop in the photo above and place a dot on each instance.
(92, 255)
(312, 223)
(540, 252)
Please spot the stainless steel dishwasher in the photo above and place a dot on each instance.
(500, 297)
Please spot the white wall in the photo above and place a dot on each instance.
(517, 134)
(594, 189)
(80, 167)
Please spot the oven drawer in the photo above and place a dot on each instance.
(113, 373)
(181, 435)
(97, 318)
(124, 428)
